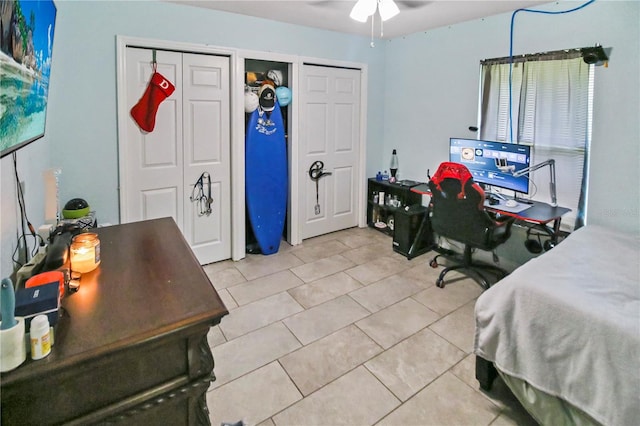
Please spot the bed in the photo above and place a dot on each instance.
(563, 331)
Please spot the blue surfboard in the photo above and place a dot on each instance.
(266, 179)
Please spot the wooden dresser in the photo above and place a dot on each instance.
(131, 346)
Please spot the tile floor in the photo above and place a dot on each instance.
(341, 330)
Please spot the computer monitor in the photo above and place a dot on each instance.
(493, 163)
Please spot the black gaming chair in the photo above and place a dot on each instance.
(457, 213)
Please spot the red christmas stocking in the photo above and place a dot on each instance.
(144, 112)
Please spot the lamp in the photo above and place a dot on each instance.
(552, 171)
(365, 8)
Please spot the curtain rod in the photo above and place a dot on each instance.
(542, 56)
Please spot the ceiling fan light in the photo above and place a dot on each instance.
(363, 9)
(388, 9)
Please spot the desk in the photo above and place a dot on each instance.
(131, 347)
(539, 213)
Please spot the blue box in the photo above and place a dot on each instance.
(43, 299)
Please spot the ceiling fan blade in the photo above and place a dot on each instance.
(388, 9)
(363, 9)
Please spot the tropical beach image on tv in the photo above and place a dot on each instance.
(26, 31)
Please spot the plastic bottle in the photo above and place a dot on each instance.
(385, 176)
(40, 337)
(393, 167)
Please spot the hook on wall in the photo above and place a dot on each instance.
(154, 63)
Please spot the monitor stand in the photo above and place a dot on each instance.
(521, 200)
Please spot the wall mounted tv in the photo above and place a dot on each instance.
(26, 42)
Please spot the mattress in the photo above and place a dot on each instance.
(568, 324)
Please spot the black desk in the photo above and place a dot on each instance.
(539, 213)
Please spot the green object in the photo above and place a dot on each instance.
(75, 209)
(75, 214)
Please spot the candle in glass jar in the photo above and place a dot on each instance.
(85, 252)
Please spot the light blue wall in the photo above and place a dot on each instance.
(83, 110)
(81, 136)
(422, 90)
(32, 160)
(432, 93)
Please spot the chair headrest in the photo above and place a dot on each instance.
(450, 170)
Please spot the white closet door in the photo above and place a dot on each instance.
(206, 149)
(330, 132)
(191, 136)
(154, 161)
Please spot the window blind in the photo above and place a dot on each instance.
(551, 111)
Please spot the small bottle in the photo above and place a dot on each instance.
(385, 176)
(393, 166)
(40, 337)
(379, 176)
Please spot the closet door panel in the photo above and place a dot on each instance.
(330, 132)
(153, 168)
(191, 139)
(207, 150)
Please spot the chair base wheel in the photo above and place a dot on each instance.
(548, 245)
(433, 263)
(440, 283)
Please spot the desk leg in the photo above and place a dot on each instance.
(553, 232)
(415, 250)
(412, 249)
(556, 230)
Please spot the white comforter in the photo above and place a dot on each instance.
(568, 323)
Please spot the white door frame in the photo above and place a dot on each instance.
(122, 42)
(237, 58)
(292, 206)
(295, 67)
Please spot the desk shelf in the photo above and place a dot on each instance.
(377, 212)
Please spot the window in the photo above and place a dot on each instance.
(550, 109)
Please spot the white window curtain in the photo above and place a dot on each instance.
(551, 111)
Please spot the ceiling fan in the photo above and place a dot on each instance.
(362, 10)
(365, 8)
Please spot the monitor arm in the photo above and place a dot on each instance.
(552, 170)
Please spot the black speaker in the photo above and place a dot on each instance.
(412, 233)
